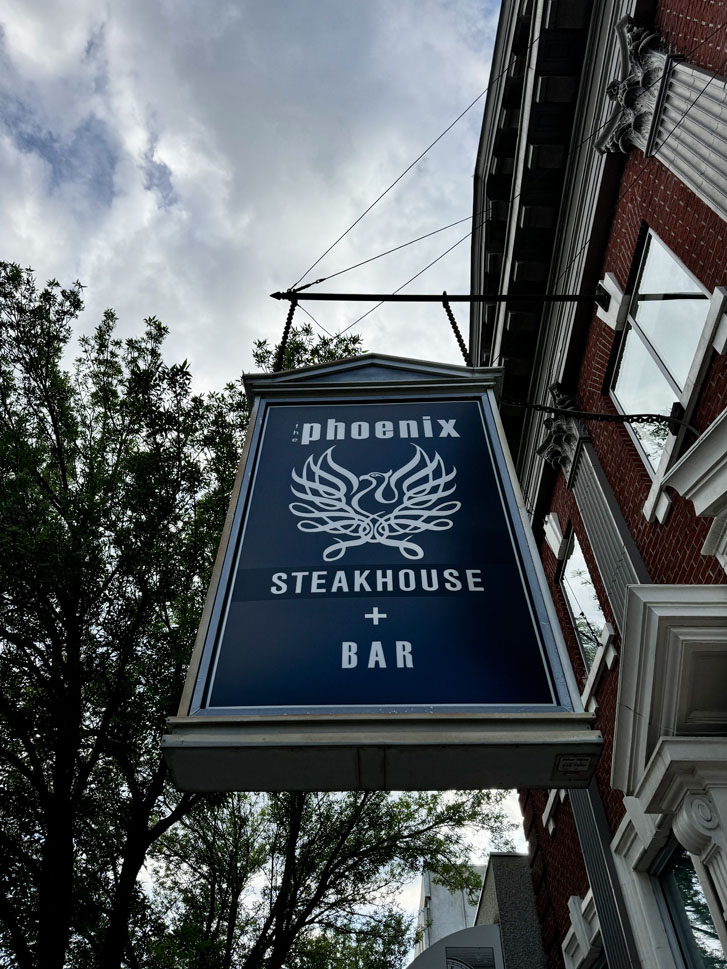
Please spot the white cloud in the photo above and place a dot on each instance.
(185, 160)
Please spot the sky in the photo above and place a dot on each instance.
(186, 159)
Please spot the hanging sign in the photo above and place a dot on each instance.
(378, 618)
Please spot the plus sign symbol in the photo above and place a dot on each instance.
(375, 615)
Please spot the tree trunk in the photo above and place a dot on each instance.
(116, 937)
(55, 890)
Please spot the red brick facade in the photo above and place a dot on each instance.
(697, 236)
(650, 196)
(695, 28)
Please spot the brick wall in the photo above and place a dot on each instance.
(651, 195)
(671, 552)
(557, 869)
(695, 28)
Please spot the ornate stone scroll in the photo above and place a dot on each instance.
(559, 447)
(643, 63)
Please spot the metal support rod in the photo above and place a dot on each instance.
(673, 421)
(520, 298)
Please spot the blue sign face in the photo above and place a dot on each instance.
(377, 567)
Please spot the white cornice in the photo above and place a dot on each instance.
(701, 474)
(673, 664)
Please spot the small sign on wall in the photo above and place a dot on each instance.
(377, 618)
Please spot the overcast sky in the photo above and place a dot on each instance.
(185, 159)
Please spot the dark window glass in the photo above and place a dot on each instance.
(580, 592)
(693, 926)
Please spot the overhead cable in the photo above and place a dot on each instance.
(416, 160)
(572, 151)
(584, 141)
(388, 252)
(403, 285)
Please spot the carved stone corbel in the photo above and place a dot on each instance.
(695, 823)
(563, 433)
(643, 65)
(700, 829)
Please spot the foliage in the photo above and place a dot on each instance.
(303, 349)
(697, 928)
(115, 478)
(308, 880)
(114, 481)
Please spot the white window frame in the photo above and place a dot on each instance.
(701, 476)
(668, 753)
(713, 336)
(596, 661)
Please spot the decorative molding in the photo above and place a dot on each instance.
(636, 95)
(582, 944)
(642, 836)
(701, 474)
(563, 433)
(695, 823)
(638, 842)
(673, 670)
(682, 793)
(687, 779)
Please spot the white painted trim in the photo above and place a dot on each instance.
(674, 638)
(605, 657)
(615, 315)
(556, 797)
(701, 474)
(670, 754)
(716, 541)
(686, 779)
(582, 944)
(639, 839)
(713, 327)
(554, 535)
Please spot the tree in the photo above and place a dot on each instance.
(114, 483)
(115, 478)
(303, 349)
(307, 881)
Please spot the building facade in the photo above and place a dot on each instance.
(442, 912)
(602, 173)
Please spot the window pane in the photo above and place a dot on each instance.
(695, 930)
(672, 326)
(663, 274)
(588, 619)
(640, 387)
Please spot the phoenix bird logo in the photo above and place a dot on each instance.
(379, 507)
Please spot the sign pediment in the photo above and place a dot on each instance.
(370, 368)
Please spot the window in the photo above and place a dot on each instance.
(580, 593)
(663, 330)
(693, 928)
